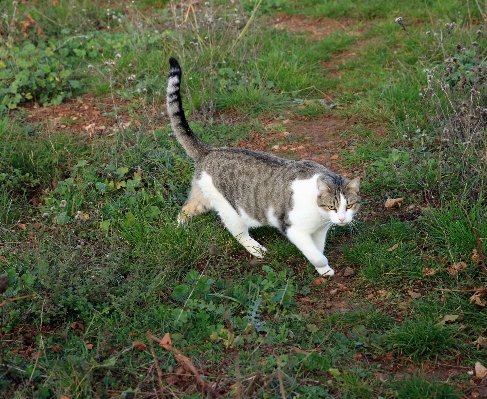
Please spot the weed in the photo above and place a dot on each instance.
(419, 387)
(423, 339)
(459, 231)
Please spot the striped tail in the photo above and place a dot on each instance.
(191, 143)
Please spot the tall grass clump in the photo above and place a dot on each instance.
(453, 136)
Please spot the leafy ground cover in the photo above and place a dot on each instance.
(104, 296)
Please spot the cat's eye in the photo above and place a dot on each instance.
(350, 206)
(331, 207)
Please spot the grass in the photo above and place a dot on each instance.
(88, 236)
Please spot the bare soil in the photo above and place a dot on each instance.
(315, 28)
(87, 116)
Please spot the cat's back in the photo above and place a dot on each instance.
(258, 185)
(258, 165)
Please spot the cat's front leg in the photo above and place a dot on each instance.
(306, 244)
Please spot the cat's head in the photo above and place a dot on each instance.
(339, 199)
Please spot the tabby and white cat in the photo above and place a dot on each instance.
(303, 199)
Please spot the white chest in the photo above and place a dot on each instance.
(306, 214)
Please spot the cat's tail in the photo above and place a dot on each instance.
(191, 143)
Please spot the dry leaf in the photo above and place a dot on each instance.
(22, 226)
(475, 256)
(56, 348)
(348, 272)
(393, 248)
(82, 217)
(477, 298)
(181, 359)
(36, 355)
(480, 370)
(172, 379)
(414, 294)
(428, 271)
(392, 202)
(448, 318)
(305, 300)
(480, 341)
(166, 342)
(456, 268)
(139, 345)
(77, 326)
(139, 172)
(65, 397)
(381, 376)
(89, 346)
(318, 281)
(334, 157)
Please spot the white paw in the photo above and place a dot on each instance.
(326, 271)
(258, 252)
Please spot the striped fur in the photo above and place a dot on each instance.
(191, 143)
(302, 199)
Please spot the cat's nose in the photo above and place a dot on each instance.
(341, 219)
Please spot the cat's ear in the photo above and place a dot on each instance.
(353, 185)
(323, 187)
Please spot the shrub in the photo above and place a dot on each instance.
(30, 72)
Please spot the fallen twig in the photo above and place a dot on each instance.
(281, 383)
(16, 299)
(186, 363)
(156, 364)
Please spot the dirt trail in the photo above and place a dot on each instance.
(86, 116)
(320, 140)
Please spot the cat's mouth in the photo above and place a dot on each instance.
(341, 223)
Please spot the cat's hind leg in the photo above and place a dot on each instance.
(243, 237)
(194, 205)
(239, 229)
(229, 216)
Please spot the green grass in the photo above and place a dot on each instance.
(419, 387)
(88, 226)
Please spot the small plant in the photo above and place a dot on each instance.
(421, 388)
(421, 339)
(454, 100)
(32, 72)
(253, 316)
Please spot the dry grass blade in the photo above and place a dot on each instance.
(17, 299)
(247, 25)
(156, 364)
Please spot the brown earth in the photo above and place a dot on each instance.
(320, 140)
(315, 28)
(86, 116)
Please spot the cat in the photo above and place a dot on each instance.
(302, 199)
